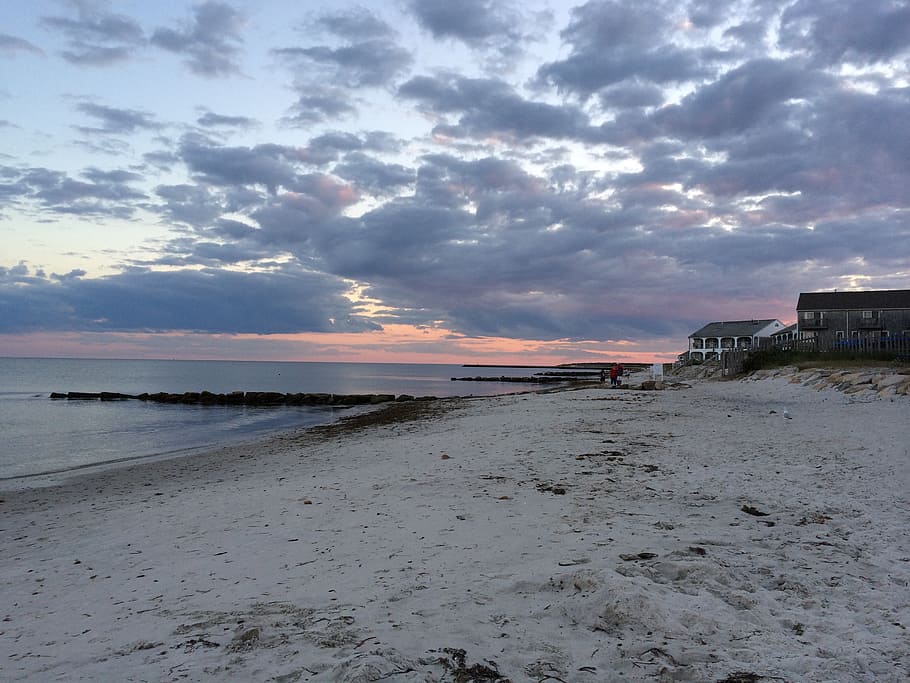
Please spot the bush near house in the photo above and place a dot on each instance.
(844, 357)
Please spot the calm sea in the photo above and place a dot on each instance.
(39, 435)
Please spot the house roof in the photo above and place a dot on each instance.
(733, 328)
(785, 330)
(843, 301)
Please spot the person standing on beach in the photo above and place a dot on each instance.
(614, 375)
(620, 370)
(603, 375)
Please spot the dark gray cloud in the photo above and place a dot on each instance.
(475, 22)
(707, 13)
(210, 42)
(102, 194)
(318, 103)
(209, 300)
(371, 57)
(293, 219)
(781, 247)
(740, 99)
(212, 120)
(271, 185)
(496, 30)
(162, 160)
(630, 95)
(615, 41)
(490, 107)
(482, 176)
(840, 153)
(369, 173)
(117, 176)
(328, 147)
(209, 251)
(12, 45)
(401, 239)
(367, 64)
(193, 205)
(99, 55)
(356, 23)
(855, 31)
(748, 33)
(269, 165)
(97, 38)
(116, 121)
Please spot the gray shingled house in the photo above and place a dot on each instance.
(709, 342)
(832, 317)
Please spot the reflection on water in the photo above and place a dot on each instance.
(42, 435)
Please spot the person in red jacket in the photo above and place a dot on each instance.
(614, 375)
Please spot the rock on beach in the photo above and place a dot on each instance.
(882, 382)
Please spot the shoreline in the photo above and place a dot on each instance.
(44, 435)
(352, 418)
(345, 418)
(223, 440)
(586, 534)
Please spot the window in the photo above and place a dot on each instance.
(885, 333)
(808, 315)
(868, 315)
(854, 334)
(839, 334)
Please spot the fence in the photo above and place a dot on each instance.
(896, 346)
(733, 361)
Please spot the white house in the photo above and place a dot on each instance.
(713, 339)
(787, 334)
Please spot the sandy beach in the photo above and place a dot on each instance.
(720, 531)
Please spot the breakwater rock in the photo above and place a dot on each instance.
(866, 382)
(537, 379)
(92, 396)
(244, 398)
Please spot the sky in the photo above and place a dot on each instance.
(435, 181)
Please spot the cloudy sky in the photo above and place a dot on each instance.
(432, 180)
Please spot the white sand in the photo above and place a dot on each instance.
(383, 553)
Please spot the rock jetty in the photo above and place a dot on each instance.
(536, 379)
(243, 398)
(866, 382)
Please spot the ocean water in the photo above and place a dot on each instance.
(39, 435)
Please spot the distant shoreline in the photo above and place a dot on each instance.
(561, 366)
(519, 367)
